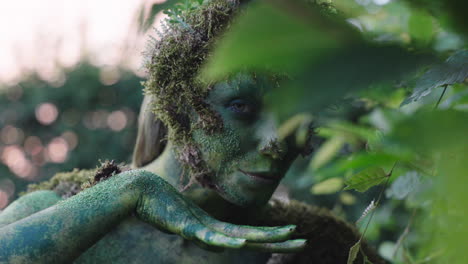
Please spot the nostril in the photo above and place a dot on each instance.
(274, 149)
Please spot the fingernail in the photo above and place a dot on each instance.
(289, 228)
(299, 242)
(239, 242)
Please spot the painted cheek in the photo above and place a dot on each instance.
(218, 149)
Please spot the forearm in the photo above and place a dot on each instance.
(28, 205)
(62, 232)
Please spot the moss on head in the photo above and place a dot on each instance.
(173, 64)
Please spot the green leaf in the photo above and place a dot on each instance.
(145, 21)
(322, 56)
(277, 35)
(421, 27)
(450, 12)
(353, 251)
(291, 125)
(366, 260)
(453, 70)
(329, 186)
(364, 160)
(404, 185)
(326, 152)
(361, 161)
(336, 75)
(361, 132)
(429, 131)
(387, 250)
(366, 179)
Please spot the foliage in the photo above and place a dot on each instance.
(454, 70)
(422, 145)
(365, 179)
(95, 120)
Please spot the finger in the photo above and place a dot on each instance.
(190, 228)
(212, 238)
(289, 246)
(250, 233)
(254, 233)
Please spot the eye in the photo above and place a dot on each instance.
(241, 106)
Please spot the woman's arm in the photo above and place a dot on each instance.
(60, 233)
(28, 205)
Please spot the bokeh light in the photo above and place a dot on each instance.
(33, 145)
(3, 199)
(46, 113)
(71, 138)
(11, 135)
(109, 75)
(57, 150)
(73, 70)
(14, 157)
(7, 186)
(117, 120)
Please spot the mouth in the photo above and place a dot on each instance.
(266, 177)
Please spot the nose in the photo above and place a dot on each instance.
(274, 149)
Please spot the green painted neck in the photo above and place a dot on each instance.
(167, 166)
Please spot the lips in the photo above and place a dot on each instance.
(268, 177)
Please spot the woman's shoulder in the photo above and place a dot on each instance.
(329, 237)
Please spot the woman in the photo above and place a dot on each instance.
(213, 141)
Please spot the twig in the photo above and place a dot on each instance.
(404, 234)
(441, 95)
(377, 203)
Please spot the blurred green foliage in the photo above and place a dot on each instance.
(417, 153)
(96, 110)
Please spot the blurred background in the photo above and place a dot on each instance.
(70, 90)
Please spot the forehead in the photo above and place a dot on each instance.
(243, 84)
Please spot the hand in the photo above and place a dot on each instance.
(164, 207)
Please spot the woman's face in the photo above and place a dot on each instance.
(247, 159)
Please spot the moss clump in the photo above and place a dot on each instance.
(107, 170)
(329, 237)
(67, 184)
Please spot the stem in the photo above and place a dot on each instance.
(441, 95)
(378, 201)
(404, 234)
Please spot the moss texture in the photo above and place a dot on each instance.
(173, 64)
(329, 237)
(67, 184)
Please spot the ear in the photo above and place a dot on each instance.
(151, 137)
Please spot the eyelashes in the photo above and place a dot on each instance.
(242, 108)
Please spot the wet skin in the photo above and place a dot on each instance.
(248, 169)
